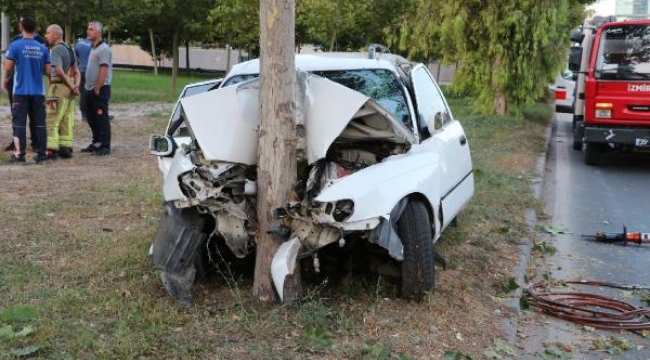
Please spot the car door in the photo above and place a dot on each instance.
(447, 138)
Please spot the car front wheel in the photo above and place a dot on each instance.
(418, 266)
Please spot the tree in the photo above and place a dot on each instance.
(276, 165)
(507, 50)
(237, 23)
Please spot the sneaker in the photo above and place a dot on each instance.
(40, 159)
(18, 160)
(91, 148)
(102, 151)
(65, 152)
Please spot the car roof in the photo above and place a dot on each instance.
(328, 61)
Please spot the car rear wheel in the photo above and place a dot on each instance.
(418, 266)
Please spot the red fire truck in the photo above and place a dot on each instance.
(612, 102)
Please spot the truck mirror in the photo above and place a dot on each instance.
(575, 58)
(577, 36)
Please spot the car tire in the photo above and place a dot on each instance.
(593, 153)
(418, 266)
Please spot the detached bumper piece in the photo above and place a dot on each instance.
(175, 250)
(638, 137)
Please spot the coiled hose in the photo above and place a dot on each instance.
(590, 309)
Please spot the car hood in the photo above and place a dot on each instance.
(225, 122)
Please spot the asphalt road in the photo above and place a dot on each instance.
(579, 200)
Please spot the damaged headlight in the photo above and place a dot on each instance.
(343, 210)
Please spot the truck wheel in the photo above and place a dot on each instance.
(592, 154)
(577, 145)
(418, 266)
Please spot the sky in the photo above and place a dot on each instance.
(604, 7)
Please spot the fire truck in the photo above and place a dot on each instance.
(611, 60)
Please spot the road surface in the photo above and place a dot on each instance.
(581, 199)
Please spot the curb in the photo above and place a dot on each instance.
(510, 325)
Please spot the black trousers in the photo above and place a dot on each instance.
(34, 106)
(97, 107)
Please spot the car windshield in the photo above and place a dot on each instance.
(624, 53)
(378, 84)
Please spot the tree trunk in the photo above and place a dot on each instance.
(228, 51)
(174, 62)
(153, 52)
(276, 172)
(500, 106)
(187, 57)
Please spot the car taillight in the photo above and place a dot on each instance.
(560, 94)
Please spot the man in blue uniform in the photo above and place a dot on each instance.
(29, 60)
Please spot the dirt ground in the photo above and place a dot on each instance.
(99, 214)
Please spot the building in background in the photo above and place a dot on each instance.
(632, 9)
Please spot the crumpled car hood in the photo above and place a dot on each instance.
(225, 121)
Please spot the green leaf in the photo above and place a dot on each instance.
(19, 313)
(25, 331)
(554, 353)
(555, 230)
(26, 351)
(456, 355)
(511, 285)
(504, 347)
(6, 332)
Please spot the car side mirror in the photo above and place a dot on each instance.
(162, 145)
(577, 36)
(435, 122)
(575, 58)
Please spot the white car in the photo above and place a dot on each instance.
(384, 165)
(564, 89)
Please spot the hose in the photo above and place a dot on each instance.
(590, 309)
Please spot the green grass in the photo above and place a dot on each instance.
(141, 86)
(74, 244)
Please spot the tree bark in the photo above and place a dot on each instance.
(174, 62)
(153, 52)
(500, 100)
(187, 57)
(276, 172)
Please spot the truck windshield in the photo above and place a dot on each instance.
(624, 53)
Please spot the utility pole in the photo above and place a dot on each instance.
(276, 166)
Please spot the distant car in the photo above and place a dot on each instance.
(564, 88)
(384, 167)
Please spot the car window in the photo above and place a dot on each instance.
(379, 84)
(239, 79)
(429, 100)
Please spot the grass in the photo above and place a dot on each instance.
(75, 235)
(139, 86)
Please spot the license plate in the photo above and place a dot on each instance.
(642, 142)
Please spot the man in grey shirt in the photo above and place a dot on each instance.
(99, 74)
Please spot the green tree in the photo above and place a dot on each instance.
(507, 50)
(236, 23)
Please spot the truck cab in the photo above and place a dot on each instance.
(612, 103)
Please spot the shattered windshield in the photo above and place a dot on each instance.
(378, 84)
(624, 53)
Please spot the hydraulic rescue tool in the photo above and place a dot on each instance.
(624, 237)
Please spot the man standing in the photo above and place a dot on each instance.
(82, 51)
(29, 60)
(99, 74)
(62, 93)
(9, 84)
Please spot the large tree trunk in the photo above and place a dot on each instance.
(500, 99)
(153, 52)
(276, 171)
(174, 62)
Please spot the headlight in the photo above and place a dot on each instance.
(343, 210)
(604, 110)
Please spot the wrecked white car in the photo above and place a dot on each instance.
(383, 163)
